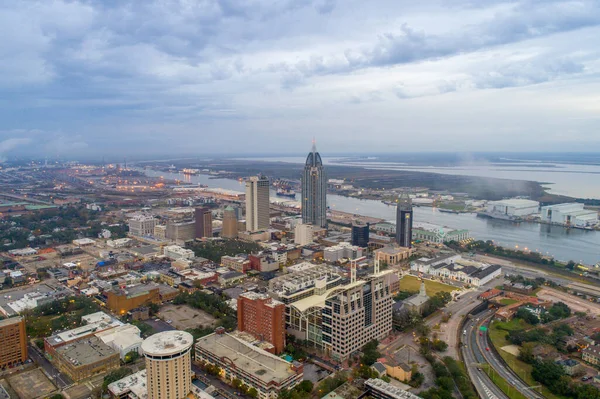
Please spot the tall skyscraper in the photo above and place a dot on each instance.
(257, 203)
(404, 221)
(203, 222)
(230, 223)
(314, 190)
(168, 364)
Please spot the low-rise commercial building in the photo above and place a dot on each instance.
(392, 254)
(123, 339)
(452, 267)
(86, 358)
(341, 251)
(176, 252)
(438, 234)
(231, 278)
(256, 368)
(380, 389)
(122, 300)
(92, 324)
(237, 263)
(119, 243)
(131, 387)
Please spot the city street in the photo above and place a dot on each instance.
(59, 379)
(494, 360)
(473, 358)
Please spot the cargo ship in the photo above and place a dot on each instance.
(286, 192)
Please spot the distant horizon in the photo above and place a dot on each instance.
(165, 157)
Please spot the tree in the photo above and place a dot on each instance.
(252, 392)
(423, 330)
(570, 265)
(131, 357)
(547, 372)
(438, 345)
(527, 316)
(370, 353)
(153, 308)
(526, 352)
(306, 386)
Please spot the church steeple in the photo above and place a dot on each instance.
(422, 291)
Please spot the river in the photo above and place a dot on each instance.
(562, 243)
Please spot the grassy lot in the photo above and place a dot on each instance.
(507, 301)
(497, 334)
(503, 384)
(453, 206)
(412, 283)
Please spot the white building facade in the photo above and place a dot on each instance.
(176, 252)
(257, 203)
(515, 207)
(571, 214)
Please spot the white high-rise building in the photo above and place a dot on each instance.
(257, 203)
(303, 234)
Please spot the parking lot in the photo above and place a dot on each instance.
(183, 317)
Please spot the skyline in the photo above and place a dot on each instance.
(175, 77)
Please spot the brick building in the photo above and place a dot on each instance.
(121, 301)
(14, 341)
(263, 317)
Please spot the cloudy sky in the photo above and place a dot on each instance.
(150, 77)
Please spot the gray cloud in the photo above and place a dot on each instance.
(149, 76)
(407, 45)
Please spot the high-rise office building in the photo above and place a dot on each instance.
(404, 221)
(230, 223)
(360, 235)
(203, 222)
(314, 190)
(264, 318)
(13, 349)
(359, 313)
(257, 203)
(168, 364)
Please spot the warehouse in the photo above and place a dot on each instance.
(514, 207)
(570, 214)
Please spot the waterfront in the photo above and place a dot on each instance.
(562, 243)
(577, 181)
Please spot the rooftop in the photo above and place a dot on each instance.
(167, 342)
(391, 391)
(261, 364)
(86, 351)
(98, 324)
(516, 202)
(128, 384)
(481, 273)
(10, 321)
